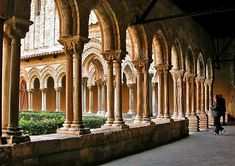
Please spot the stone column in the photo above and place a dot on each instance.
(198, 98)
(202, 96)
(78, 45)
(175, 92)
(160, 95)
(154, 98)
(103, 98)
(6, 82)
(99, 85)
(180, 96)
(108, 56)
(203, 119)
(13, 126)
(210, 92)
(166, 94)
(210, 118)
(58, 90)
(18, 31)
(187, 80)
(146, 117)
(139, 65)
(44, 100)
(73, 48)
(193, 118)
(30, 99)
(119, 56)
(84, 94)
(91, 100)
(206, 97)
(1, 77)
(192, 82)
(131, 99)
(69, 51)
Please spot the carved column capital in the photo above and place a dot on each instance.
(130, 86)
(99, 82)
(154, 84)
(84, 80)
(138, 64)
(30, 90)
(188, 76)
(19, 26)
(199, 79)
(43, 90)
(174, 74)
(208, 82)
(146, 64)
(90, 87)
(114, 55)
(73, 45)
(58, 88)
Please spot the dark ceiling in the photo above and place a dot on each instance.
(218, 25)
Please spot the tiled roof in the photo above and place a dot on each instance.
(42, 54)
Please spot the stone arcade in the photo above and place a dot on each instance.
(153, 82)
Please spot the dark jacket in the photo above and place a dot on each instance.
(215, 110)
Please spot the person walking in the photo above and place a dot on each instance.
(223, 107)
(216, 113)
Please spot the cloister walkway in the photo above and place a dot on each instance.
(201, 148)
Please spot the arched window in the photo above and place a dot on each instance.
(37, 7)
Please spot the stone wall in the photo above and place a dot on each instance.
(98, 147)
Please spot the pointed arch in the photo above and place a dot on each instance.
(129, 72)
(209, 69)
(177, 56)
(46, 72)
(60, 73)
(160, 48)
(189, 61)
(139, 42)
(200, 66)
(32, 75)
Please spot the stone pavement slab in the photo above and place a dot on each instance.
(199, 149)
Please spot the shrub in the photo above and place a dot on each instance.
(38, 123)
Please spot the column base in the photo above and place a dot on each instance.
(3, 140)
(146, 119)
(120, 126)
(166, 116)
(76, 126)
(11, 131)
(74, 131)
(203, 122)
(193, 123)
(118, 122)
(15, 139)
(159, 117)
(103, 113)
(98, 113)
(148, 122)
(138, 119)
(65, 127)
(175, 116)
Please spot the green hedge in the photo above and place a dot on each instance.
(39, 123)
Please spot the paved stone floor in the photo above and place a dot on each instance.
(199, 149)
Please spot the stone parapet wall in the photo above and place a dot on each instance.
(100, 146)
